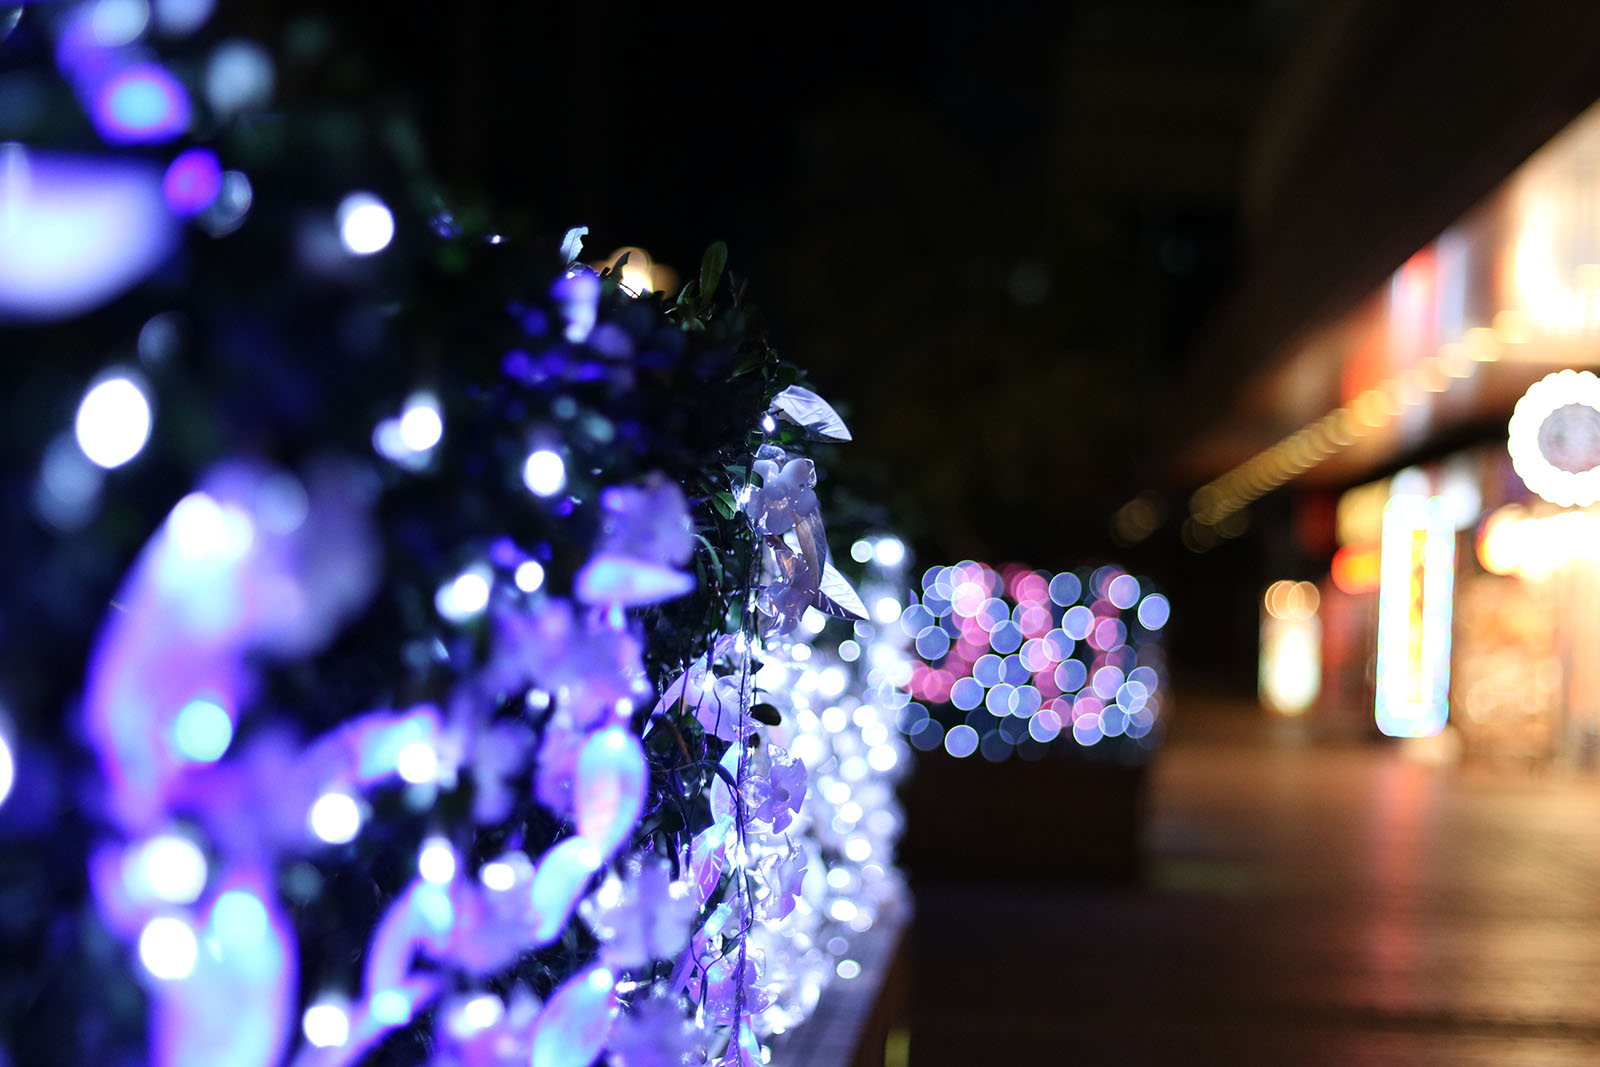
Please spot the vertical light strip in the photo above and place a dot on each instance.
(1415, 594)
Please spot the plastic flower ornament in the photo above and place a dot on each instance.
(785, 496)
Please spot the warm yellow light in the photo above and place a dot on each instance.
(1482, 345)
(1372, 409)
(1276, 600)
(1454, 361)
(1513, 327)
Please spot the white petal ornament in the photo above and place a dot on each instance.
(812, 413)
(612, 776)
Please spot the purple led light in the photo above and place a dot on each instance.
(193, 182)
(140, 104)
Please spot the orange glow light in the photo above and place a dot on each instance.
(1356, 569)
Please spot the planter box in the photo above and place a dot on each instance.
(1052, 821)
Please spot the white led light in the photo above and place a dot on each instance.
(497, 876)
(464, 596)
(8, 770)
(887, 609)
(529, 576)
(365, 224)
(326, 1025)
(113, 422)
(861, 551)
(889, 552)
(336, 818)
(167, 948)
(544, 473)
(482, 1012)
(417, 763)
(421, 426)
(437, 862)
(167, 867)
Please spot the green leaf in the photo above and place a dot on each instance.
(712, 557)
(711, 265)
(726, 506)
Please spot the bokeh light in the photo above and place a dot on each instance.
(167, 948)
(544, 473)
(326, 1025)
(335, 818)
(366, 226)
(113, 422)
(1074, 656)
(203, 731)
(141, 103)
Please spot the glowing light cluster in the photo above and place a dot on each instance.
(1024, 658)
(841, 688)
(1513, 541)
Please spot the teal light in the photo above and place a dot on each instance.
(203, 731)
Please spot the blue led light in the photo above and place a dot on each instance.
(1065, 588)
(140, 104)
(1154, 611)
(961, 741)
(966, 693)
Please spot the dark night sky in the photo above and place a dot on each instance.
(988, 231)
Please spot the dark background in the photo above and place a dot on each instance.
(1030, 250)
(990, 231)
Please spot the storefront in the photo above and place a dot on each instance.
(1452, 418)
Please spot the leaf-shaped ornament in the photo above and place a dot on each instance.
(836, 596)
(812, 413)
(612, 776)
(612, 579)
(572, 1029)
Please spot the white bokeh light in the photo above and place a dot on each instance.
(889, 552)
(498, 876)
(167, 948)
(529, 576)
(421, 426)
(336, 818)
(437, 861)
(464, 596)
(113, 422)
(365, 224)
(417, 763)
(544, 473)
(326, 1025)
(8, 770)
(168, 867)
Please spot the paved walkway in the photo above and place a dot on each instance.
(1304, 905)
